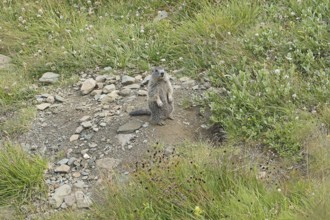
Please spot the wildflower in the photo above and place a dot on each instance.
(198, 211)
(163, 60)
(277, 71)
(294, 96)
(279, 190)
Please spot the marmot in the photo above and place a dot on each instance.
(160, 98)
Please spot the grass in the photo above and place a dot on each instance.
(268, 62)
(21, 175)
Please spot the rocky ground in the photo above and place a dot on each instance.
(86, 128)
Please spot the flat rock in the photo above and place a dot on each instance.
(87, 124)
(132, 86)
(70, 200)
(59, 195)
(59, 98)
(4, 61)
(101, 78)
(79, 129)
(84, 118)
(109, 88)
(87, 86)
(160, 16)
(107, 163)
(127, 80)
(43, 106)
(63, 161)
(125, 92)
(62, 169)
(111, 97)
(49, 77)
(50, 99)
(83, 201)
(74, 137)
(146, 80)
(124, 139)
(142, 93)
(129, 127)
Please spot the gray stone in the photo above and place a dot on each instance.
(125, 92)
(111, 97)
(129, 127)
(79, 185)
(96, 92)
(43, 106)
(87, 124)
(146, 80)
(86, 156)
(87, 86)
(50, 99)
(107, 163)
(59, 194)
(49, 77)
(109, 88)
(124, 139)
(84, 118)
(142, 93)
(84, 151)
(71, 161)
(132, 86)
(62, 169)
(100, 85)
(92, 145)
(70, 200)
(4, 61)
(101, 78)
(63, 161)
(108, 68)
(83, 201)
(126, 80)
(74, 137)
(59, 98)
(76, 174)
(161, 15)
(79, 129)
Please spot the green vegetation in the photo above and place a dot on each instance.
(21, 175)
(268, 62)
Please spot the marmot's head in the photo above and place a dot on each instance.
(158, 73)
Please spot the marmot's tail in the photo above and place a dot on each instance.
(140, 112)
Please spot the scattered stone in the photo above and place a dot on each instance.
(43, 106)
(132, 86)
(107, 163)
(96, 92)
(62, 169)
(87, 86)
(142, 93)
(129, 147)
(44, 124)
(64, 206)
(101, 78)
(50, 99)
(79, 129)
(195, 87)
(63, 161)
(138, 78)
(108, 68)
(76, 174)
(109, 88)
(84, 151)
(59, 195)
(83, 201)
(262, 175)
(84, 118)
(4, 61)
(146, 80)
(87, 124)
(49, 77)
(103, 124)
(100, 85)
(189, 83)
(79, 185)
(129, 127)
(127, 80)
(71, 161)
(111, 97)
(125, 92)
(74, 137)
(92, 145)
(124, 139)
(161, 15)
(59, 98)
(70, 200)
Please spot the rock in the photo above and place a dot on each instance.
(96, 92)
(132, 86)
(92, 145)
(76, 174)
(4, 61)
(108, 68)
(62, 169)
(127, 80)
(64, 206)
(107, 163)
(189, 83)
(59, 98)
(59, 195)
(262, 175)
(146, 80)
(74, 137)
(87, 124)
(84, 118)
(100, 85)
(142, 93)
(71, 161)
(79, 185)
(83, 201)
(138, 78)
(195, 87)
(103, 124)
(79, 129)
(109, 88)
(87, 86)
(129, 127)
(49, 77)
(43, 106)
(111, 97)
(101, 78)
(125, 92)
(124, 139)
(50, 99)
(84, 151)
(63, 161)
(161, 15)
(70, 200)
(86, 156)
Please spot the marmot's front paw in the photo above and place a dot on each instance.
(159, 103)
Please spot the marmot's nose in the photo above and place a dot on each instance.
(162, 74)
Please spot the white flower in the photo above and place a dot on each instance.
(163, 60)
(277, 71)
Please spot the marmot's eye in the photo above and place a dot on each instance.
(156, 70)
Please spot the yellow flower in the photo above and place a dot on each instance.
(198, 211)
